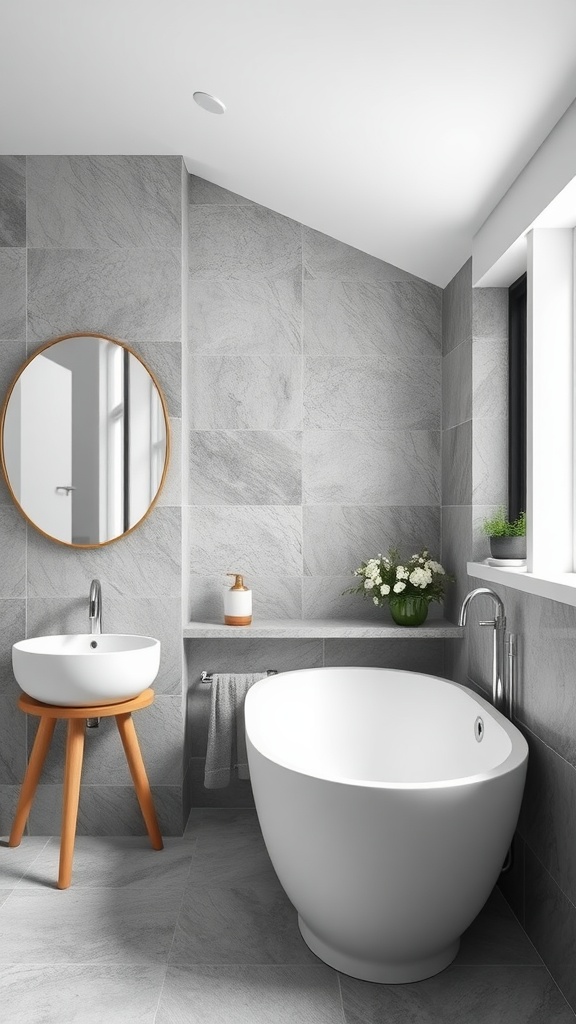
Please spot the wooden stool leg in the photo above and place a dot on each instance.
(72, 774)
(31, 778)
(139, 777)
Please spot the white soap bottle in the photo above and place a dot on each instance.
(237, 603)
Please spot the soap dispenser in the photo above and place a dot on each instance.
(237, 603)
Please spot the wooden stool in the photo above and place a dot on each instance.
(49, 713)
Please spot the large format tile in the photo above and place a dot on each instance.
(132, 294)
(104, 926)
(484, 995)
(371, 467)
(249, 317)
(490, 315)
(12, 201)
(248, 467)
(81, 994)
(326, 597)
(231, 861)
(456, 552)
(12, 629)
(242, 924)
(250, 995)
(252, 539)
(118, 862)
(8, 800)
(373, 393)
(146, 563)
(324, 256)
(206, 193)
(13, 547)
(457, 309)
(215, 822)
(13, 293)
(269, 601)
(16, 861)
(107, 811)
(511, 883)
(237, 241)
(238, 794)
(358, 318)
(457, 385)
(338, 538)
(12, 742)
(147, 616)
(245, 392)
(160, 733)
(103, 202)
(490, 378)
(551, 924)
(171, 493)
(412, 655)
(457, 465)
(165, 362)
(490, 460)
(496, 938)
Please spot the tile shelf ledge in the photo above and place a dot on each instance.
(435, 629)
(560, 587)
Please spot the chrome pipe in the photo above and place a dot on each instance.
(208, 677)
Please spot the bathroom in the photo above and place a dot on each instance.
(325, 403)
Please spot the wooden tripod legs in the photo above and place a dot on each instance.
(139, 777)
(31, 778)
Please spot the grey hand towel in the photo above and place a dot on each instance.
(226, 724)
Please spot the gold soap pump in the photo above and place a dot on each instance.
(237, 603)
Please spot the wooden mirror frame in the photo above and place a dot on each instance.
(37, 352)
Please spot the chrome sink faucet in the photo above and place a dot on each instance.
(498, 624)
(95, 607)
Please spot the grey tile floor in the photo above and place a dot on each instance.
(202, 933)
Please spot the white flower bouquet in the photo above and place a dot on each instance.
(408, 586)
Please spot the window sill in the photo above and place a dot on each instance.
(561, 587)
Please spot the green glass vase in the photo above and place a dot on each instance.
(408, 611)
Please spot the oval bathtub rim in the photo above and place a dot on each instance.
(517, 758)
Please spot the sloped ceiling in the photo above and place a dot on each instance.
(393, 126)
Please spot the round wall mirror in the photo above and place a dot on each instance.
(85, 440)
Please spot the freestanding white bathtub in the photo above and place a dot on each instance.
(387, 801)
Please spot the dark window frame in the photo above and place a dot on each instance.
(517, 345)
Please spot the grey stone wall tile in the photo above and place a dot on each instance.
(411, 655)
(551, 925)
(12, 742)
(457, 465)
(457, 309)
(13, 200)
(242, 241)
(171, 493)
(490, 378)
(102, 202)
(145, 616)
(8, 801)
(239, 467)
(373, 393)
(256, 540)
(271, 599)
(323, 597)
(160, 731)
(359, 318)
(324, 256)
(490, 315)
(245, 392)
(13, 293)
(456, 552)
(13, 547)
(206, 193)
(246, 317)
(371, 467)
(457, 386)
(338, 538)
(130, 294)
(107, 811)
(146, 563)
(165, 362)
(490, 460)
(12, 629)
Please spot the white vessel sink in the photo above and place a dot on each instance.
(83, 668)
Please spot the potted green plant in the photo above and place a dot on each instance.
(507, 537)
(407, 586)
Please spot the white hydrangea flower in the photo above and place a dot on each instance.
(375, 599)
(420, 578)
(401, 573)
(399, 587)
(384, 589)
(434, 567)
(378, 580)
(368, 584)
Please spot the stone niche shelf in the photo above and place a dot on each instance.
(436, 629)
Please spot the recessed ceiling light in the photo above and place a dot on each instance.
(209, 102)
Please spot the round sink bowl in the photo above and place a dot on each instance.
(84, 669)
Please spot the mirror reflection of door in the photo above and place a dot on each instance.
(85, 440)
(38, 454)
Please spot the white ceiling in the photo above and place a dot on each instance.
(393, 126)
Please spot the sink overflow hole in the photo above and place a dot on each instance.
(93, 643)
(479, 729)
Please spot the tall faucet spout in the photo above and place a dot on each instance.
(499, 627)
(95, 607)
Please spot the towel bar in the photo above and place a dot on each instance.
(206, 677)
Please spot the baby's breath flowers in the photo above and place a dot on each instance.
(386, 576)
